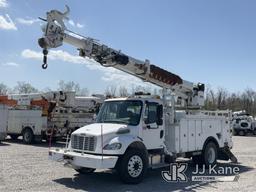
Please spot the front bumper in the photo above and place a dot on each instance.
(83, 160)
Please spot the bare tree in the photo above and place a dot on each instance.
(210, 99)
(110, 91)
(248, 100)
(3, 89)
(23, 87)
(123, 92)
(83, 92)
(68, 86)
(221, 98)
(72, 86)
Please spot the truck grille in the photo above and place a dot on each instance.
(83, 143)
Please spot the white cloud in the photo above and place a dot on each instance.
(74, 24)
(79, 25)
(71, 22)
(3, 3)
(10, 64)
(28, 21)
(27, 53)
(109, 74)
(7, 23)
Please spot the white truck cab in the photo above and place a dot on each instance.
(132, 134)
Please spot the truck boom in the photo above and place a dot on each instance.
(55, 33)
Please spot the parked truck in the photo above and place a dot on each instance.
(140, 132)
(243, 123)
(50, 115)
(29, 123)
(3, 121)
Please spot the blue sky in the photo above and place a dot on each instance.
(211, 41)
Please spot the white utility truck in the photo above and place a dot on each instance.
(243, 123)
(48, 115)
(3, 121)
(140, 132)
(26, 122)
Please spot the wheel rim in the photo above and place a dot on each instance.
(26, 136)
(211, 155)
(135, 166)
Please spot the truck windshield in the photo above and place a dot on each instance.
(123, 112)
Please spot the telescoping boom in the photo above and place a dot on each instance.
(55, 33)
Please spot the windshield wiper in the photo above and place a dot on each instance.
(116, 121)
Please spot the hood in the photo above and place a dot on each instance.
(95, 129)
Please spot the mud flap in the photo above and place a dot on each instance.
(226, 154)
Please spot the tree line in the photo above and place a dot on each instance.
(220, 99)
(236, 101)
(25, 88)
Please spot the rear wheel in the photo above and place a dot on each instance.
(209, 155)
(28, 136)
(85, 170)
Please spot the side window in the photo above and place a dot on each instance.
(151, 113)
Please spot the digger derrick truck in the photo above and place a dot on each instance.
(51, 115)
(139, 132)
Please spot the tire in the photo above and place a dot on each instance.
(254, 132)
(210, 154)
(85, 170)
(208, 157)
(28, 136)
(14, 137)
(241, 133)
(132, 166)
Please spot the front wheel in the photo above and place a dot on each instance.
(28, 136)
(132, 166)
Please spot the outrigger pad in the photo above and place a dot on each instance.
(226, 154)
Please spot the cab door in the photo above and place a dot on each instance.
(152, 129)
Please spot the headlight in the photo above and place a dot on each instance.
(113, 146)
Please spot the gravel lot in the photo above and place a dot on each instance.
(27, 168)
